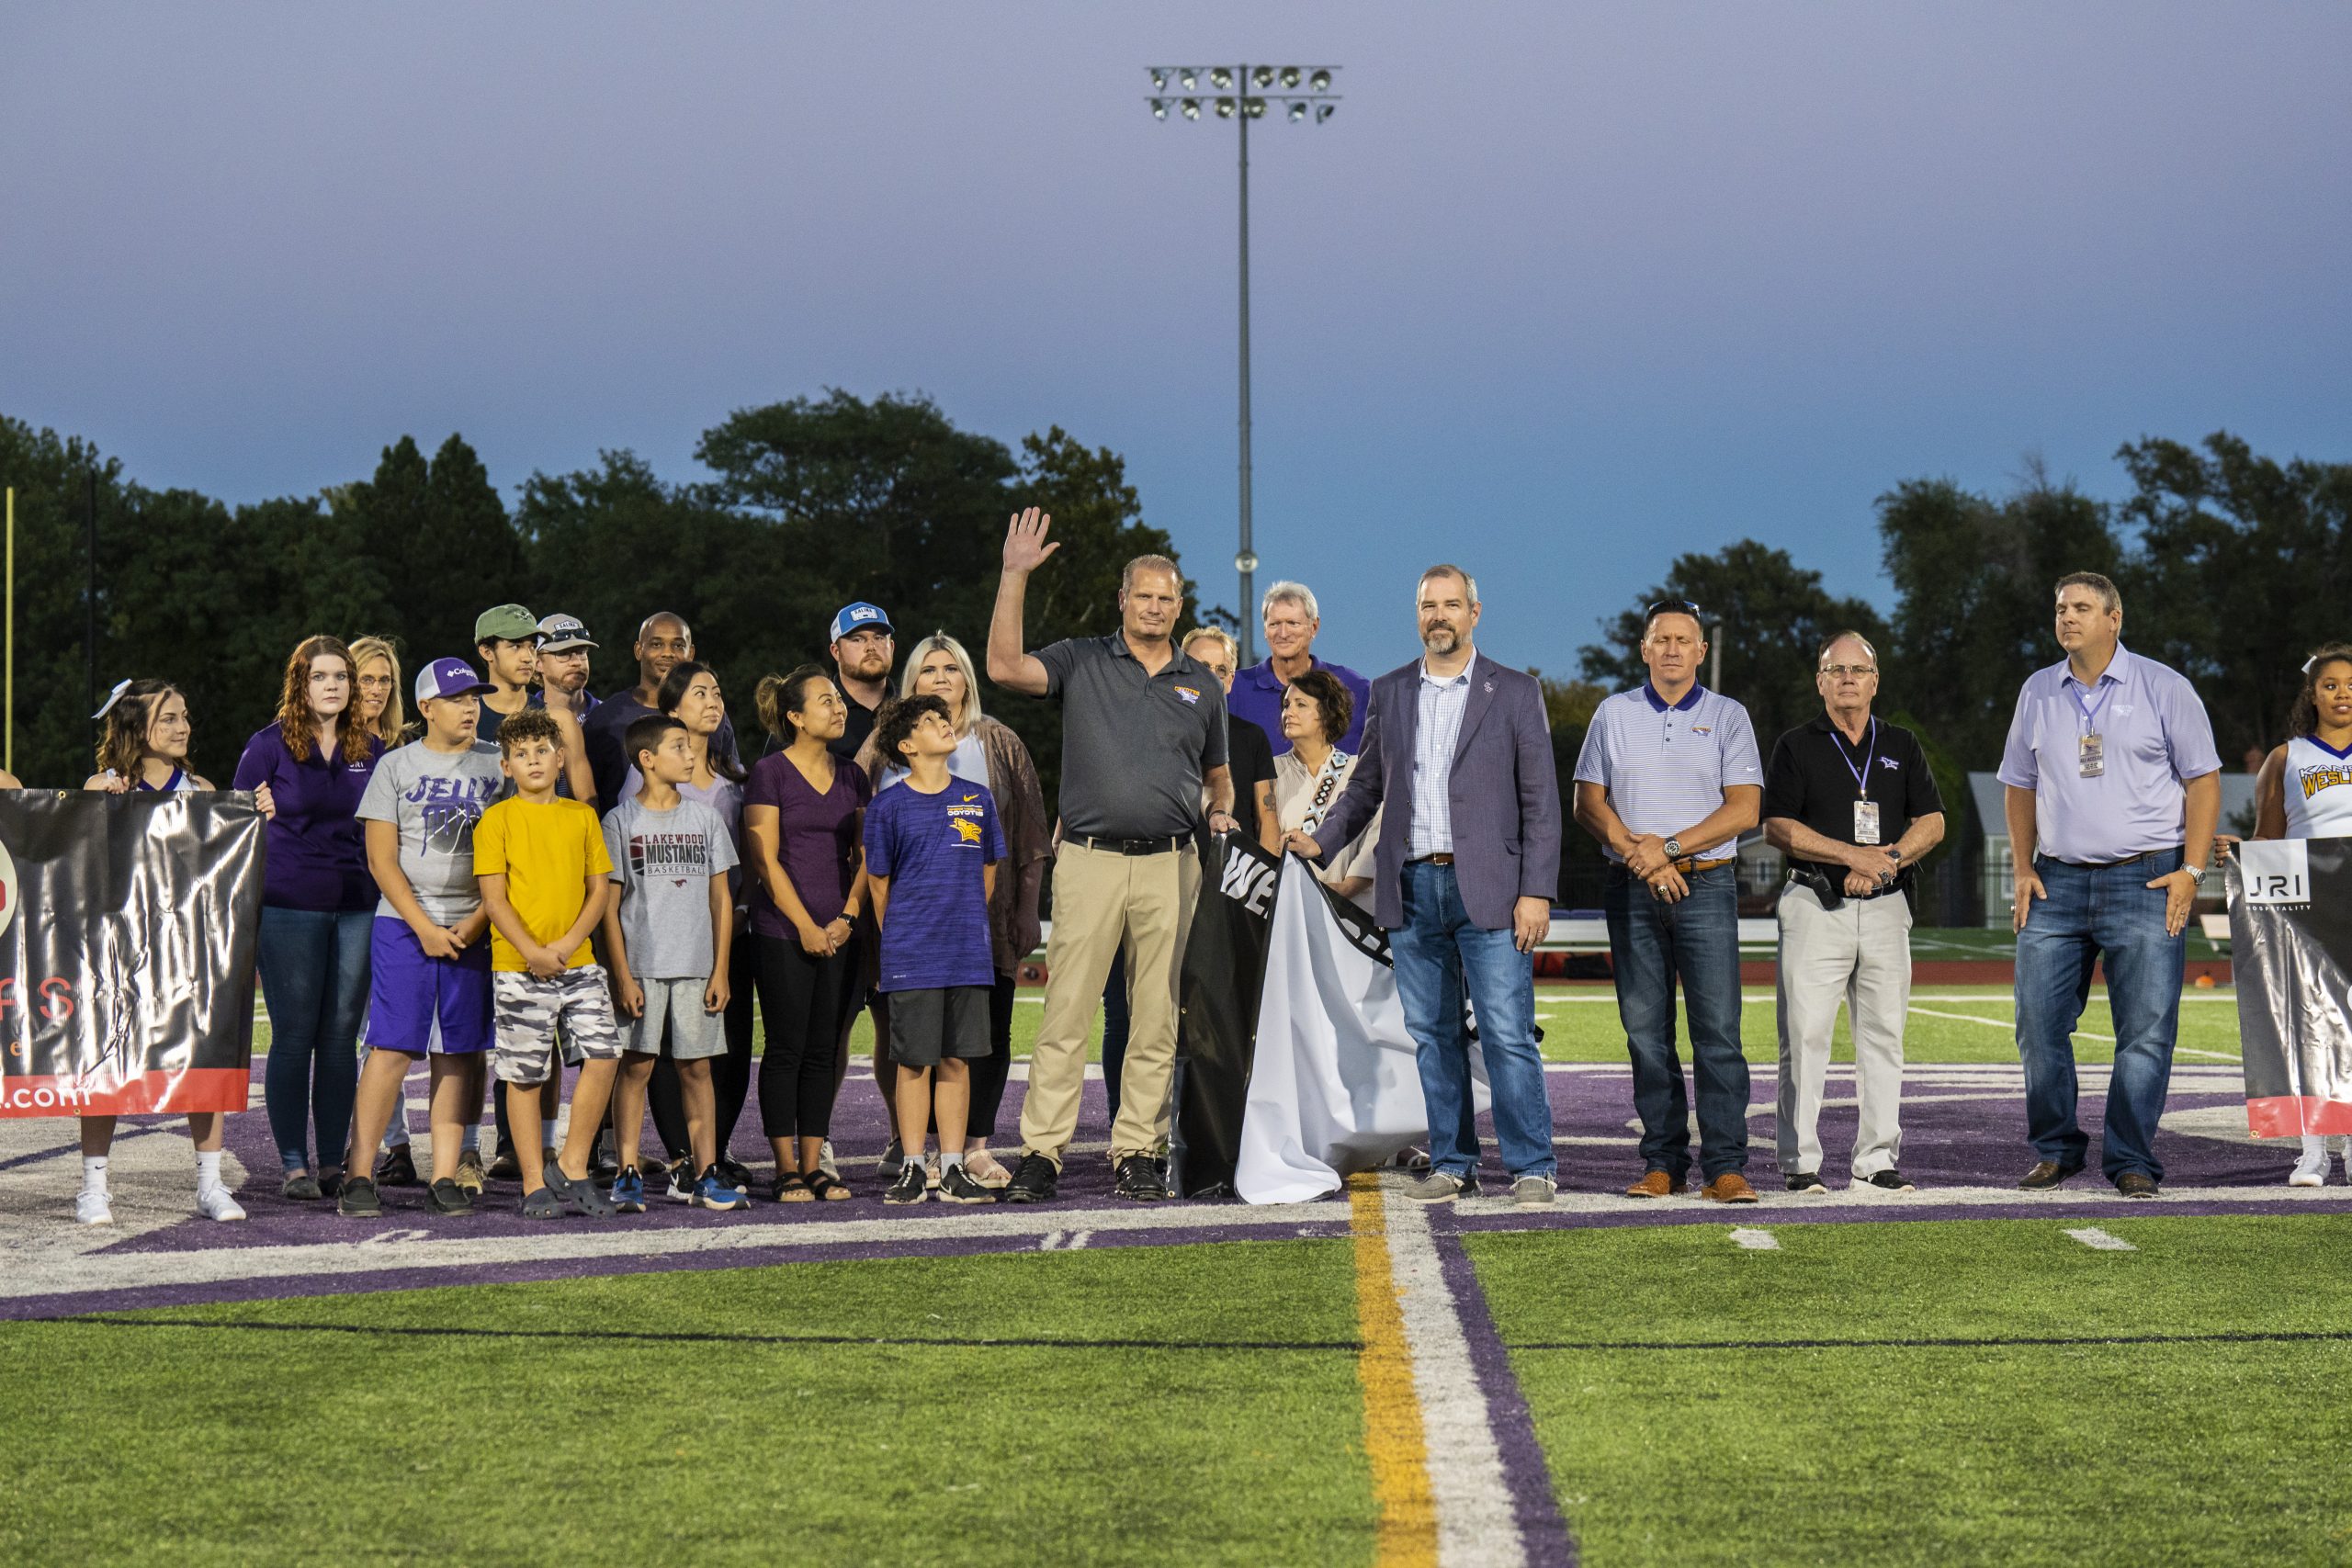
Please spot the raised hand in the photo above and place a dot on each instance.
(1025, 547)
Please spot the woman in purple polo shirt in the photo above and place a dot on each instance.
(803, 815)
(307, 771)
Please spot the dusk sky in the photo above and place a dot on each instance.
(1560, 291)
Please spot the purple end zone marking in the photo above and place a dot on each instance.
(1542, 1532)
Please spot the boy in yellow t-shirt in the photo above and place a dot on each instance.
(545, 878)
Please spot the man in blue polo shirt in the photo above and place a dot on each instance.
(1668, 781)
(1291, 621)
(2112, 784)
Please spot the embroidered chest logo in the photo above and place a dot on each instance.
(1702, 729)
(967, 821)
(966, 830)
(1889, 763)
(1190, 693)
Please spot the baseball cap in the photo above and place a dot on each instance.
(511, 623)
(858, 617)
(450, 678)
(559, 631)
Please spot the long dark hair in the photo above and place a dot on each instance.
(122, 744)
(782, 694)
(723, 759)
(2304, 720)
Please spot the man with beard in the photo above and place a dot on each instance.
(1458, 750)
(563, 692)
(863, 651)
(663, 640)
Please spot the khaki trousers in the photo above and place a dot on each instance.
(1106, 904)
(1859, 953)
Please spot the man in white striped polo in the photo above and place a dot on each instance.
(1667, 780)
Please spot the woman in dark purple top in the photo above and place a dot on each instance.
(803, 816)
(307, 771)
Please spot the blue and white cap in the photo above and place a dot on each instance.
(448, 678)
(858, 617)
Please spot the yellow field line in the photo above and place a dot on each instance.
(1392, 1440)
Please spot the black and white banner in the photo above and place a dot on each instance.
(2291, 946)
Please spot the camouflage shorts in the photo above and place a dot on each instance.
(529, 1010)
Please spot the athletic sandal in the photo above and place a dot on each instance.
(826, 1190)
(541, 1203)
(985, 1170)
(791, 1187)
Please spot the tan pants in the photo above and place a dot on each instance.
(1859, 953)
(1104, 903)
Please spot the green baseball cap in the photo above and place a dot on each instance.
(511, 623)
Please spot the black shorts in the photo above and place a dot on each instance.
(950, 1021)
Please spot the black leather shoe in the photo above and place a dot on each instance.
(1804, 1181)
(1139, 1180)
(2046, 1174)
(1033, 1180)
(2137, 1184)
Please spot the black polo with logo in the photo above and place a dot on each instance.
(1813, 780)
(1135, 746)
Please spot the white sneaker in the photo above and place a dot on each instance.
(214, 1203)
(94, 1208)
(2310, 1169)
(826, 1162)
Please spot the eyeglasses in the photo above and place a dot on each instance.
(1835, 671)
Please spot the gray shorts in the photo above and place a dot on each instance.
(530, 1009)
(950, 1021)
(694, 1035)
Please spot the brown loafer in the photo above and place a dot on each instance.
(1729, 1188)
(1656, 1184)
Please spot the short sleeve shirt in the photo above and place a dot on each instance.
(547, 850)
(315, 857)
(1666, 765)
(2154, 733)
(1256, 696)
(1135, 746)
(1817, 776)
(816, 839)
(662, 863)
(433, 799)
(934, 848)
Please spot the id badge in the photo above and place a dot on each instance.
(2091, 752)
(1866, 821)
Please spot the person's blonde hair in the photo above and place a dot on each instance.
(940, 642)
(392, 723)
(1224, 637)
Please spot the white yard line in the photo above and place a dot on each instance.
(1753, 1240)
(2098, 1240)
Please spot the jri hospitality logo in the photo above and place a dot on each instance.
(2275, 872)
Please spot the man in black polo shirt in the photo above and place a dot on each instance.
(1850, 802)
(1143, 736)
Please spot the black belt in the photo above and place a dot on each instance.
(1130, 846)
(2180, 850)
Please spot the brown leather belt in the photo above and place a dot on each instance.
(1432, 860)
(1686, 865)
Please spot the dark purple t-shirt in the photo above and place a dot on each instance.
(314, 855)
(816, 838)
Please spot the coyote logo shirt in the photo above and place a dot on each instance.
(934, 848)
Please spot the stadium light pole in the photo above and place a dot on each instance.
(1301, 94)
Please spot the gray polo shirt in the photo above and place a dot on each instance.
(1134, 746)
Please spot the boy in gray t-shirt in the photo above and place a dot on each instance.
(667, 937)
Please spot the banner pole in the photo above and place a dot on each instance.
(8, 745)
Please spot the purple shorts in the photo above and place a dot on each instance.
(419, 1006)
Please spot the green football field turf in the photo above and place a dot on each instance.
(1892, 1453)
(342, 1434)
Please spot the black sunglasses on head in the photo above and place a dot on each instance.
(1671, 607)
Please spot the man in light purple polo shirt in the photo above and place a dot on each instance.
(1291, 620)
(2112, 789)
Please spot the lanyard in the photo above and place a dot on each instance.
(2089, 710)
(1862, 774)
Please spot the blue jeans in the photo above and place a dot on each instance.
(2093, 912)
(1438, 952)
(314, 983)
(1652, 944)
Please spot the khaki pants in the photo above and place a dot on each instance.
(1859, 953)
(1106, 903)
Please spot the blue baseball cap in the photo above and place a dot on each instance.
(448, 678)
(858, 617)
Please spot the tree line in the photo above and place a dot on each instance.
(814, 503)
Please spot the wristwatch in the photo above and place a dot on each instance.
(1674, 849)
(2196, 874)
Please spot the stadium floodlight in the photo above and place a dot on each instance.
(1243, 107)
(1160, 78)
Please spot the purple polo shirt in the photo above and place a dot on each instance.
(2156, 735)
(1256, 696)
(313, 854)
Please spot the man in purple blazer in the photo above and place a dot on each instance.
(1457, 748)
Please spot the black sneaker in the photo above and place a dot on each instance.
(397, 1169)
(1885, 1182)
(678, 1184)
(735, 1174)
(445, 1197)
(505, 1167)
(911, 1186)
(1805, 1181)
(957, 1186)
(1033, 1180)
(1139, 1180)
(358, 1200)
